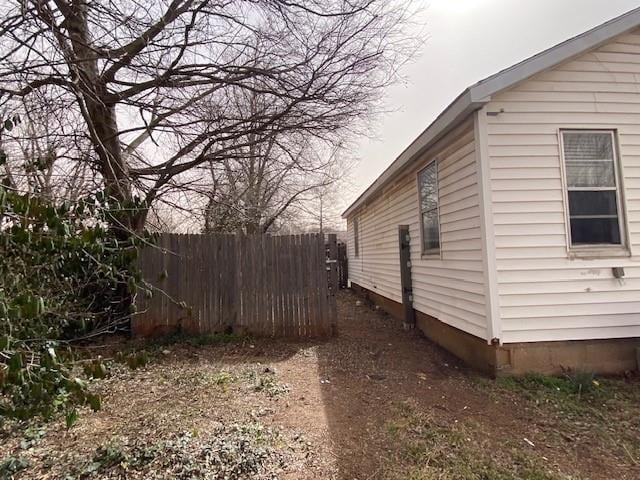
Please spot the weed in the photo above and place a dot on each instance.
(11, 465)
(271, 387)
(134, 359)
(32, 436)
(231, 452)
(106, 457)
(267, 383)
(223, 378)
(217, 338)
(582, 381)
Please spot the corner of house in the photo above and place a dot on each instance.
(494, 324)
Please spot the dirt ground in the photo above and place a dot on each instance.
(375, 402)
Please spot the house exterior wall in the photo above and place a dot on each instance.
(543, 293)
(449, 287)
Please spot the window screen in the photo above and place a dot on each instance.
(590, 163)
(428, 185)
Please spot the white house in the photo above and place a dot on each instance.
(522, 203)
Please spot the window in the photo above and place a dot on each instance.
(428, 189)
(593, 193)
(356, 238)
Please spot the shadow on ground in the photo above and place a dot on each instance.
(366, 372)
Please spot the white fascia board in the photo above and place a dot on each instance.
(454, 114)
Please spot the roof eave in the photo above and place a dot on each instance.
(451, 117)
(479, 94)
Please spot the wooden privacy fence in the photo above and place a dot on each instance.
(277, 286)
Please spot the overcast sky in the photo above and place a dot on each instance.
(468, 41)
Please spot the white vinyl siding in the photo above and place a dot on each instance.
(356, 238)
(545, 294)
(449, 287)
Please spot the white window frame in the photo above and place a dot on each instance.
(605, 249)
(356, 237)
(431, 252)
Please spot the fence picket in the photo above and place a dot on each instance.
(316, 287)
(304, 262)
(321, 271)
(278, 287)
(296, 286)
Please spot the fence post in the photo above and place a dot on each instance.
(342, 265)
(333, 284)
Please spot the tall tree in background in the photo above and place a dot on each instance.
(137, 72)
(252, 193)
(264, 181)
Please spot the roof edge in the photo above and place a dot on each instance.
(451, 117)
(479, 94)
(556, 55)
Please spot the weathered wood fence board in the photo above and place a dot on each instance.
(343, 265)
(276, 286)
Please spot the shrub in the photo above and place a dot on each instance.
(65, 276)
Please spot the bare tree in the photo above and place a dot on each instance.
(262, 181)
(251, 194)
(137, 72)
(42, 149)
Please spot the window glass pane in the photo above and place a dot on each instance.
(593, 203)
(429, 201)
(356, 238)
(428, 190)
(595, 230)
(590, 174)
(593, 213)
(587, 146)
(428, 185)
(431, 230)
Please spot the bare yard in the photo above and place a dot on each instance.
(373, 403)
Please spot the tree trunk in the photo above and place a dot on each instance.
(100, 116)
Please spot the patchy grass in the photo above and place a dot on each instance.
(203, 412)
(604, 411)
(204, 378)
(209, 450)
(578, 387)
(260, 380)
(427, 447)
(375, 402)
